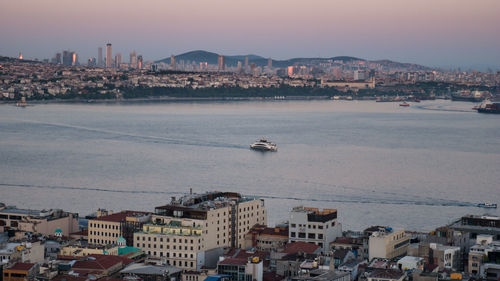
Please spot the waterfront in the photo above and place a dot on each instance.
(377, 163)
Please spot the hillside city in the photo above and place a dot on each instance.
(201, 74)
(224, 236)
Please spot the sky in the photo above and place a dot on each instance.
(441, 33)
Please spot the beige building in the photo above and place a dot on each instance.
(45, 222)
(388, 244)
(192, 231)
(107, 228)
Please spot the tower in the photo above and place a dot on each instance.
(221, 63)
(118, 60)
(139, 61)
(269, 63)
(246, 63)
(133, 60)
(172, 62)
(99, 57)
(109, 56)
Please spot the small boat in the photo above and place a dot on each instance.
(405, 104)
(264, 145)
(22, 102)
(416, 100)
(487, 205)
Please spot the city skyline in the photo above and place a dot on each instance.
(442, 34)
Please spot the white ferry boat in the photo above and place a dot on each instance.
(264, 145)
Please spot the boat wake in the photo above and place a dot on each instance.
(337, 199)
(111, 134)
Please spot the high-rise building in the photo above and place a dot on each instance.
(91, 62)
(74, 59)
(239, 66)
(221, 63)
(246, 63)
(99, 57)
(67, 58)
(109, 56)
(58, 58)
(172, 62)
(20, 56)
(192, 231)
(118, 60)
(133, 60)
(139, 61)
(269, 63)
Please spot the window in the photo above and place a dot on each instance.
(311, 235)
(320, 236)
(302, 235)
(292, 234)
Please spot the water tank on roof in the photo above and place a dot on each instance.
(389, 229)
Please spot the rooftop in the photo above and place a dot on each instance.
(296, 247)
(317, 215)
(386, 274)
(22, 266)
(147, 269)
(121, 216)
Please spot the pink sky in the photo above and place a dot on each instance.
(430, 32)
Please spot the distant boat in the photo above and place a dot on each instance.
(22, 102)
(488, 107)
(405, 104)
(487, 205)
(264, 145)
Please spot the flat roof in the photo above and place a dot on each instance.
(21, 211)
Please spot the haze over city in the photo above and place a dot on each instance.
(434, 33)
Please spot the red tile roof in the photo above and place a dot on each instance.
(101, 262)
(296, 247)
(22, 266)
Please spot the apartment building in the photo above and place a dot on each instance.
(191, 231)
(314, 226)
(108, 227)
(44, 222)
(388, 243)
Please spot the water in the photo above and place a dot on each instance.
(377, 163)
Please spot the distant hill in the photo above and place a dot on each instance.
(212, 58)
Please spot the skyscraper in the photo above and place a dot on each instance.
(172, 62)
(269, 63)
(67, 58)
(20, 56)
(58, 58)
(74, 58)
(139, 61)
(133, 60)
(99, 56)
(109, 56)
(246, 63)
(239, 66)
(221, 63)
(118, 60)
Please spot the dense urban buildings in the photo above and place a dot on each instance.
(223, 236)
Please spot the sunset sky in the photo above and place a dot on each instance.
(448, 33)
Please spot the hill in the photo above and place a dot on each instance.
(231, 61)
